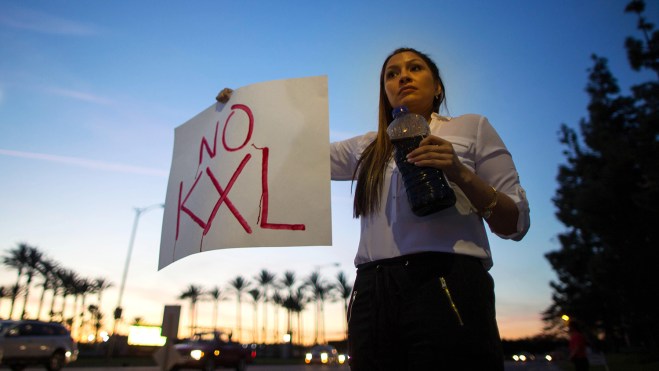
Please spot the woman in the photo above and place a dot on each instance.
(423, 299)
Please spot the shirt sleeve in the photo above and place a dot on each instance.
(495, 165)
(344, 156)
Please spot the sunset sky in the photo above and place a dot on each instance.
(91, 92)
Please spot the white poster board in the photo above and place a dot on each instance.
(253, 172)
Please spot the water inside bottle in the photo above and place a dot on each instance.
(427, 189)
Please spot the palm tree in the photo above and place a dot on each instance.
(98, 323)
(84, 287)
(68, 278)
(76, 291)
(256, 296)
(239, 285)
(95, 317)
(265, 279)
(4, 293)
(289, 282)
(278, 301)
(100, 284)
(344, 290)
(34, 257)
(192, 293)
(17, 258)
(294, 304)
(57, 286)
(14, 292)
(320, 291)
(299, 301)
(216, 295)
(47, 271)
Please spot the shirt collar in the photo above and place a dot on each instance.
(437, 116)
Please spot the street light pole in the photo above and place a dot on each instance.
(118, 310)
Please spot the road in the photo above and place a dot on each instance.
(510, 366)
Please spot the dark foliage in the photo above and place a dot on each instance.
(608, 199)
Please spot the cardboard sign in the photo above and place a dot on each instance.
(253, 172)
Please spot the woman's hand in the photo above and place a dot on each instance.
(438, 153)
(224, 95)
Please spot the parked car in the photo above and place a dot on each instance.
(24, 343)
(324, 354)
(210, 350)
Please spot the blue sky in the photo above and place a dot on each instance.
(90, 94)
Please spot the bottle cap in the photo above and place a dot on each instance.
(399, 111)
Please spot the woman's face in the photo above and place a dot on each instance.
(408, 81)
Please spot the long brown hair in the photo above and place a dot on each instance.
(372, 163)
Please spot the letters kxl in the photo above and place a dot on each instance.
(223, 192)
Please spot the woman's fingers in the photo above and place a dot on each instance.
(434, 152)
(430, 147)
(224, 95)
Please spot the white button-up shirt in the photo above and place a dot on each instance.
(394, 230)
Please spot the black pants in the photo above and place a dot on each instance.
(428, 311)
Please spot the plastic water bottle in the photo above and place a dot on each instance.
(427, 188)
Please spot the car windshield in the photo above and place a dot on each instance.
(210, 336)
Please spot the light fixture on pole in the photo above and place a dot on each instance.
(118, 310)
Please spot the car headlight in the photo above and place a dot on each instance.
(197, 354)
(323, 357)
(307, 358)
(342, 358)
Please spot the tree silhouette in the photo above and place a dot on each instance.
(278, 301)
(608, 193)
(344, 289)
(216, 295)
(239, 285)
(289, 282)
(4, 293)
(31, 268)
(17, 259)
(192, 293)
(57, 288)
(96, 318)
(100, 285)
(14, 292)
(265, 279)
(83, 288)
(68, 278)
(298, 303)
(320, 291)
(30, 262)
(46, 270)
(255, 294)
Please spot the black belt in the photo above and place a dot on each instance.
(422, 258)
